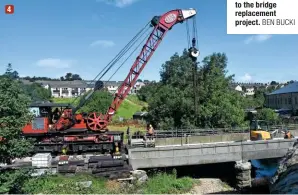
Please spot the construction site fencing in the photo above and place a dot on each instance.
(211, 131)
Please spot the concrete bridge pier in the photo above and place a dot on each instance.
(243, 174)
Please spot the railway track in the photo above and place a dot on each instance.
(98, 165)
(102, 166)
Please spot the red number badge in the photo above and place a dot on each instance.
(9, 9)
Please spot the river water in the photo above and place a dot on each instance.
(264, 167)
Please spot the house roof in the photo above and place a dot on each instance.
(106, 83)
(26, 82)
(290, 88)
(65, 84)
(112, 83)
(60, 84)
(48, 104)
(77, 83)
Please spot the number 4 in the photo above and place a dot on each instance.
(9, 9)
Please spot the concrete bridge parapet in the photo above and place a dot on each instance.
(195, 154)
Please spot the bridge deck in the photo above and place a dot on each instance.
(194, 154)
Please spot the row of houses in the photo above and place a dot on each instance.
(79, 87)
(248, 89)
(285, 98)
(68, 89)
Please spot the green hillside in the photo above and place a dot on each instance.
(128, 107)
(72, 101)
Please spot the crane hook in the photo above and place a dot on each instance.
(194, 53)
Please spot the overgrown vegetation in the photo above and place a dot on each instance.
(14, 115)
(163, 183)
(160, 183)
(36, 92)
(268, 115)
(171, 102)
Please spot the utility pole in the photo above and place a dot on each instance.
(194, 53)
(195, 89)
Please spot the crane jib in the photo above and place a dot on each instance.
(161, 25)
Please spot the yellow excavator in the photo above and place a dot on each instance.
(259, 130)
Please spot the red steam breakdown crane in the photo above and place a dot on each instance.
(89, 132)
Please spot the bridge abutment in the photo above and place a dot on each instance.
(243, 174)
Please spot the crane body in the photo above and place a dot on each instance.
(89, 132)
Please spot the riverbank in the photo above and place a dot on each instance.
(157, 183)
(160, 183)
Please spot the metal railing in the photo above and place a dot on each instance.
(205, 132)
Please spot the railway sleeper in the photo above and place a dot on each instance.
(67, 169)
(77, 162)
(101, 170)
(95, 159)
(114, 163)
(110, 163)
(114, 174)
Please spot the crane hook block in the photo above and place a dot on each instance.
(195, 53)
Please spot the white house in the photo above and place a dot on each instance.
(250, 91)
(137, 87)
(65, 89)
(68, 89)
(238, 88)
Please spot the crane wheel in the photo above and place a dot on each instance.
(97, 122)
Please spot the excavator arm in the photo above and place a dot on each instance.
(162, 24)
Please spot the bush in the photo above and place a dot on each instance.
(162, 183)
(59, 184)
(269, 115)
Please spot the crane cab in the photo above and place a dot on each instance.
(43, 117)
(259, 130)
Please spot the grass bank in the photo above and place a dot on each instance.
(160, 183)
(128, 107)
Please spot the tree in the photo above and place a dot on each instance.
(172, 103)
(99, 102)
(139, 80)
(146, 92)
(244, 89)
(34, 78)
(259, 97)
(268, 114)
(76, 77)
(36, 92)
(220, 106)
(10, 72)
(15, 74)
(274, 83)
(14, 115)
(70, 77)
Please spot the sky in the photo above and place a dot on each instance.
(51, 37)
